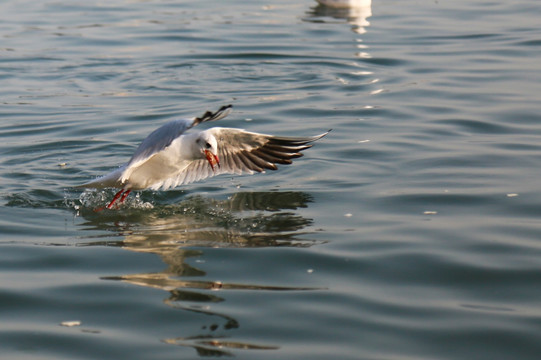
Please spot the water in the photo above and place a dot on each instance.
(410, 232)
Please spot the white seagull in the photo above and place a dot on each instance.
(168, 157)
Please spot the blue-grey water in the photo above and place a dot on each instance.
(412, 231)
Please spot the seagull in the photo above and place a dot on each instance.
(169, 157)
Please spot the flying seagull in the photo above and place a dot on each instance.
(169, 157)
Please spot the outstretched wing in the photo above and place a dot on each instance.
(163, 136)
(241, 151)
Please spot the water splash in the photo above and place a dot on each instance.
(97, 198)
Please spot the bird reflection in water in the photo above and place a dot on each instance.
(355, 12)
(182, 231)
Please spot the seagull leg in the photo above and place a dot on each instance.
(125, 195)
(116, 198)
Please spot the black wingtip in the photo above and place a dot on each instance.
(213, 116)
(317, 137)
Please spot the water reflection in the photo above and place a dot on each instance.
(355, 12)
(248, 219)
(180, 234)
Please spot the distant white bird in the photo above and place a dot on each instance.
(168, 157)
(345, 3)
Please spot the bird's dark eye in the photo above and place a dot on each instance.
(207, 145)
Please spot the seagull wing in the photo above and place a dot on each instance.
(161, 138)
(241, 151)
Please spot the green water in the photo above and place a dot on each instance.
(410, 232)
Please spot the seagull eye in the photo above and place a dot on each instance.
(207, 145)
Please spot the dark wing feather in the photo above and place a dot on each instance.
(240, 152)
(213, 116)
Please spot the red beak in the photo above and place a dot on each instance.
(212, 159)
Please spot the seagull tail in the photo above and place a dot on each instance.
(111, 180)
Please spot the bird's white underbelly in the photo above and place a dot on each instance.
(155, 172)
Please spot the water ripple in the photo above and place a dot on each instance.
(411, 231)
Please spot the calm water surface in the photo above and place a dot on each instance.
(412, 231)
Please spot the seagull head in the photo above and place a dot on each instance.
(208, 148)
